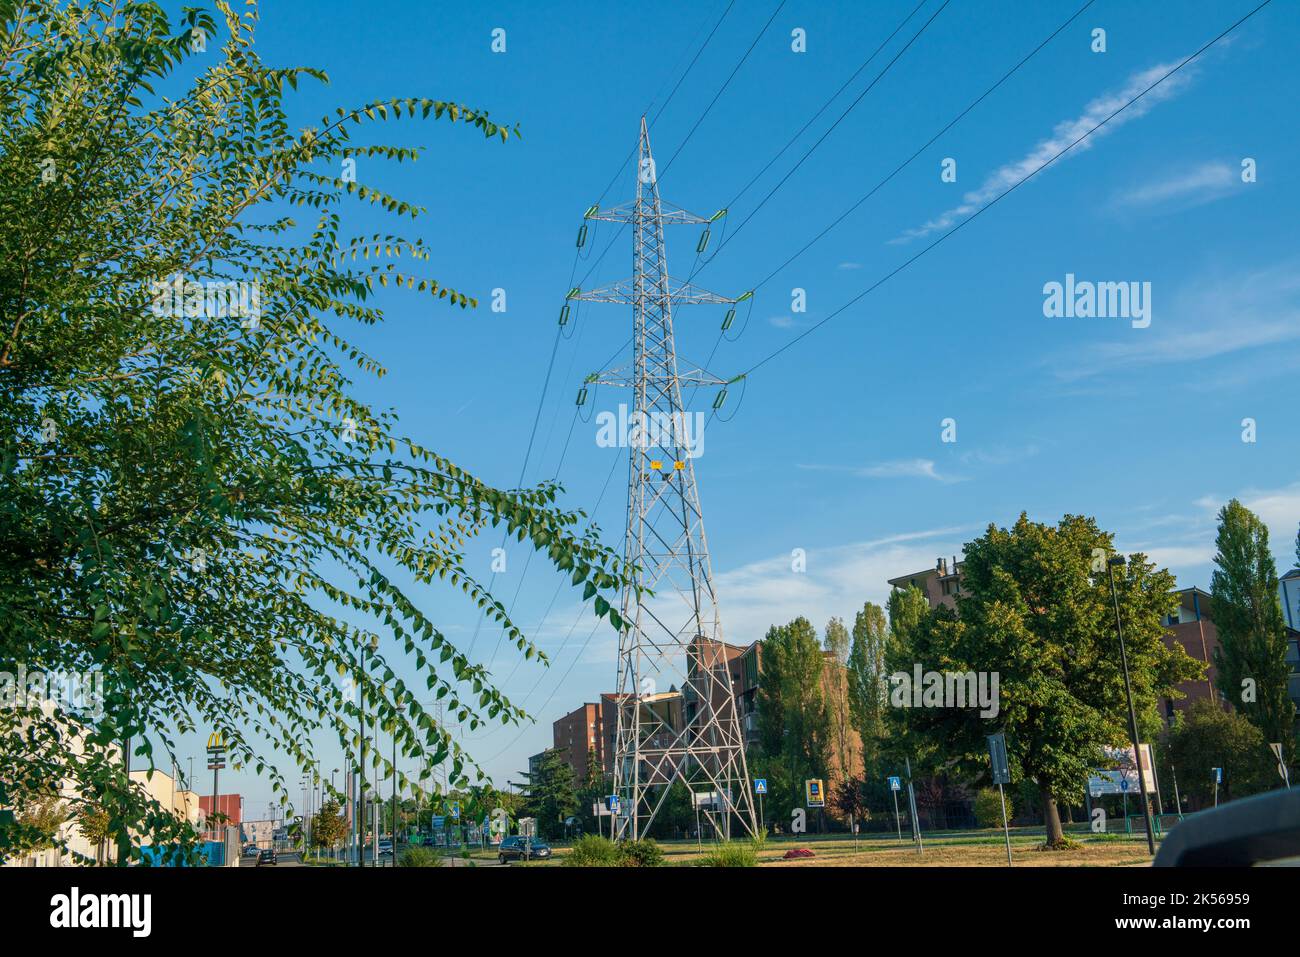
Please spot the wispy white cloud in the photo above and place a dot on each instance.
(1204, 320)
(1200, 184)
(1063, 134)
(847, 266)
(837, 580)
(896, 468)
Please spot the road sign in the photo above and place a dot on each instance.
(760, 785)
(1107, 781)
(895, 783)
(1218, 775)
(1123, 785)
(613, 803)
(455, 810)
(998, 758)
(814, 792)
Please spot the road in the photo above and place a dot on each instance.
(284, 859)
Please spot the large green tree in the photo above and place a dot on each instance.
(794, 719)
(552, 794)
(329, 825)
(868, 682)
(1036, 609)
(194, 503)
(1251, 657)
(1205, 737)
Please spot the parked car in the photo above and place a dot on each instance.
(267, 856)
(517, 848)
(385, 847)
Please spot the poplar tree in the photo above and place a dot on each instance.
(1251, 656)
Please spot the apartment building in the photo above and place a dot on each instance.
(941, 584)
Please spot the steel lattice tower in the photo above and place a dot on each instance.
(671, 639)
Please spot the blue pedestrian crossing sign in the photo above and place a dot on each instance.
(455, 810)
(760, 785)
(1218, 775)
(894, 783)
(613, 803)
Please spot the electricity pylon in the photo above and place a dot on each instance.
(677, 713)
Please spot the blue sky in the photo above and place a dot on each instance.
(836, 445)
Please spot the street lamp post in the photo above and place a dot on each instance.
(1111, 563)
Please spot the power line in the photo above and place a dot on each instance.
(834, 96)
(858, 99)
(993, 202)
(659, 175)
(901, 166)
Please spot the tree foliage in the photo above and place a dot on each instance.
(1036, 609)
(794, 719)
(552, 795)
(329, 825)
(195, 504)
(1251, 657)
(1204, 737)
(868, 682)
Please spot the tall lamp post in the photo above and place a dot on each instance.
(1111, 564)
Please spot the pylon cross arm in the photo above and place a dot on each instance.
(625, 292)
(670, 215)
(625, 377)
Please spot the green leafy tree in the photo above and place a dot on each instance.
(908, 610)
(794, 718)
(1205, 737)
(868, 682)
(1036, 610)
(1251, 657)
(552, 795)
(329, 825)
(93, 823)
(45, 816)
(592, 791)
(193, 503)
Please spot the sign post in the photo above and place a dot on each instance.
(815, 795)
(216, 761)
(1281, 763)
(911, 801)
(1218, 778)
(894, 787)
(1001, 775)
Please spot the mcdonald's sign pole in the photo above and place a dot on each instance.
(216, 761)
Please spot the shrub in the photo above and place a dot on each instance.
(988, 808)
(731, 854)
(643, 853)
(419, 857)
(596, 851)
(593, 851)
